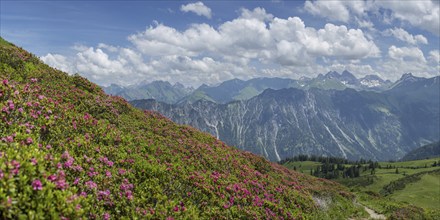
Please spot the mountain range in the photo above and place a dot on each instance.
(160, 90)
(237, 89)
(278, 123)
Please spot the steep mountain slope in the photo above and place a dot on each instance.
(287, 122)
(158, 90)
(427, 151)
(68, 150)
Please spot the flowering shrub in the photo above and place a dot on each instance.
(67, 150)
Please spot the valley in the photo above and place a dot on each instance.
(390, 185)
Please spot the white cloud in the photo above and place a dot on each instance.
(254, 44)
(261, 37)
(258, 13)
(58, 61)
(198, 8)
(404, 60)
(422, 14)
(406, 54)
(403, 35)
(334, 10)
(434, 56)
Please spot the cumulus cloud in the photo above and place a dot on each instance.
(434, 56)
(406, 59)
(420, 14)
(336, 10)
(277, 37)
(406, 53)
(198, 8)
(58, 61)
(254, 44)
(403, 35)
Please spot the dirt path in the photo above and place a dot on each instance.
(373, 214)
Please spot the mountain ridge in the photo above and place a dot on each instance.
(347, 123)
(237, 89)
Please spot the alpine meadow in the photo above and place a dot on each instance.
(272, 109)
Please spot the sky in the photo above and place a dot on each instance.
(196, 42)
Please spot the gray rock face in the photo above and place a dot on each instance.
(352, 124)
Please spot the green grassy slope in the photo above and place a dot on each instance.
(423, 193)
(413, 192)
(69, 150)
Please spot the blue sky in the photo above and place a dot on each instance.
(195, 42)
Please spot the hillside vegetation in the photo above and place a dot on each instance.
(401, 190)
(68, 150)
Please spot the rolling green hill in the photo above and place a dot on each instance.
(68, 150)
(410, 189)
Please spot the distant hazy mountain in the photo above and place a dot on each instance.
(335, 80)
(374, 82)
(158, 90)
(427, 151)
(348, 123)
(236, 89)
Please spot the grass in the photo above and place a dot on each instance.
(67, 150)
(385, 176)
(412, 163)
(302, 166)
(417, 200)
(424, 193)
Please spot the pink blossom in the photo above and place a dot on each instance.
(129, 195)
(106, 216)
(29, 141)
(108, 174)
(52, 178)
(76, 181)
(61, 184)
(20, 110)
(69, 162)
(121, 171)
(9, 139)
(103, 195)
(33, 80)
(34, 161)
(11, 105)
(36, 185)
(91, 185)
